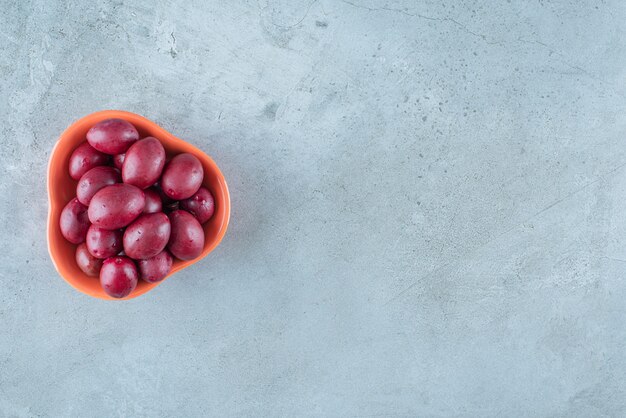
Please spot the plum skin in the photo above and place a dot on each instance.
(74, 221)
(84, 158)
(143, 162)
(85, 261)
(118, 276)
(116, 206)
(153, 201)
(187, 236)
(201, 205)
(182, 176)
(103, 243)
(94, 180)
(153, 270)
(112, 136)
(147, 236)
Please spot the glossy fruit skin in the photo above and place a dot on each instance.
(201, 205)
(103, 243)
(112, 136)
(144, 162)
(89, 264)
(164, 198)
(118, 161)
(187, 236)
(118, 276)
(182, 176)
(153, 201)
(147, 236)
(155, 269)
(84, 158)
(116, 206)
(94, 180)
(74, 221)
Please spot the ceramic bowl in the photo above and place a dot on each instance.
(62, 188)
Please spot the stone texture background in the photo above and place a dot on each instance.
(429, 213)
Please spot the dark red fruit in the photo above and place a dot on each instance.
(89, 264)
(103, 243)
(182, 176)
(84, 158)
(147, 236)
(74, 221)
(94, 180)
(143, 163)
(201, 205)
(155, 269)
(116, 206)
(153, 201)
(187, 237)
(118, 160)
(112, 136)
(164, 198)
(118, 276)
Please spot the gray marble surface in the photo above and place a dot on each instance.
(429, 212)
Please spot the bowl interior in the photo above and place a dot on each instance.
(62, 188)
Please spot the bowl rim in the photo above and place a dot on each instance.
(170, 138)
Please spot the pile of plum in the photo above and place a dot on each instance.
(134, 209)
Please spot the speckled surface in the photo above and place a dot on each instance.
(429, 212)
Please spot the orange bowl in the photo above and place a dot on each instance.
(62, 189)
